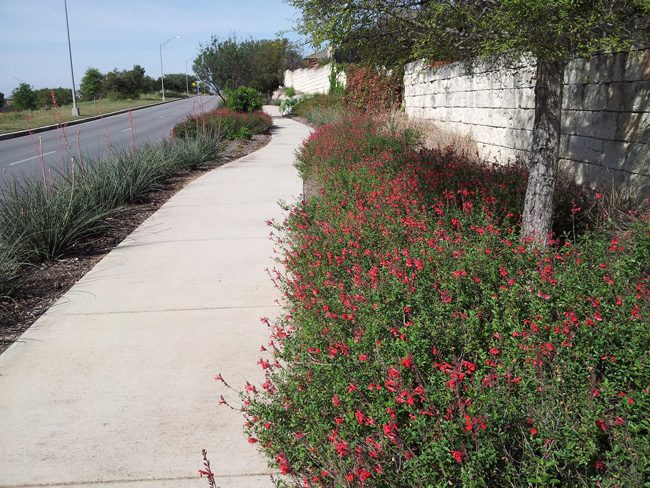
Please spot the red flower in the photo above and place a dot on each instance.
(457, 455)
(336, 401)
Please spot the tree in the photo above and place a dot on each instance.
(126, 83)
(47, 97)
(553, 31)
(228, 64)
(176, 82)
(2, 99)
(24, 97)
(91, 84)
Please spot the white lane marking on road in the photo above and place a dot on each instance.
(125, 130)
(29, 159)
(162, 116)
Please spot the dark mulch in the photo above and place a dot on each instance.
(41, 285)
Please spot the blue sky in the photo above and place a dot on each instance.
(108, 34)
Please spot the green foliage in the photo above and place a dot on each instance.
(126, 83)
(2, 99)
(423, 345)
(244, 99)
(92, 84)
(226, 123)
(49, 97)
(336, 87)
(230, 63)
(372, 89)
(40, 219)
(23, 97)
(391, 34)
(176, 82)
(290, 91)
(320, 109)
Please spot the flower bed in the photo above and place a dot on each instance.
(424, 345)
(225, 122)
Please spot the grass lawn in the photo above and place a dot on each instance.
(30, 119)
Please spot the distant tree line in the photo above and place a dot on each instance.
(129, 83)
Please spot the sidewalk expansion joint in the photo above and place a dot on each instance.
(126, 480)
(162, 310)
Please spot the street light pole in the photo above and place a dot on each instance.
(187, 84)
(75, 109)
(162, 73)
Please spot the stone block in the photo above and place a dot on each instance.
(519, 139)
(524, 78)
(600, 69)
(573, 97)
(637, 159)
(509, 98)
(619, 97)
(614, 154)
(576, 72)
(633, 127)
(620, 61)
(587, 149)
(641, 97)
(601, 125)
(594, 96)
(637, 66)
(525, 97)
(568, 122)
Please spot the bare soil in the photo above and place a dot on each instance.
(41, 285)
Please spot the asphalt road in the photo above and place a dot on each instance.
(27, 155)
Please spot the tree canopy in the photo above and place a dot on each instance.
(391, 32)
(229, 63)
(23, 97)
(91, 84)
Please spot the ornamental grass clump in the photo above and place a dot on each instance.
(423, 344)
(42, 217)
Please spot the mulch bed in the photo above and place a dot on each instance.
(41, 285)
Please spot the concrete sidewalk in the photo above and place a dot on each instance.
(114, 384)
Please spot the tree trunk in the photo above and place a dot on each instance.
(538, 204)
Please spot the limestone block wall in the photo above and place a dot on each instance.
(311, 80)
(605, 118)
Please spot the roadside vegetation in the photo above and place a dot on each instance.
(423, 343)
(99, 94)
(43, 218)
(29, 119)
(427, 339)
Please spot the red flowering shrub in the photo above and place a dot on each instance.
(225, 123)
(423, 345)
(373, 90)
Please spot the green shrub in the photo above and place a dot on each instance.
(290, 91)
(244, 99)
(223, 122)
(321, 109)
(424, 345)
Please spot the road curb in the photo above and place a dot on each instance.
(36, 130)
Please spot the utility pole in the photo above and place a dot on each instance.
(75, 109)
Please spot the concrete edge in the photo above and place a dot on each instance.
(44, 128)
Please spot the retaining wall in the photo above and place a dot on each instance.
(311, 80)
(605, 117)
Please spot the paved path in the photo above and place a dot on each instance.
(114, 386)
